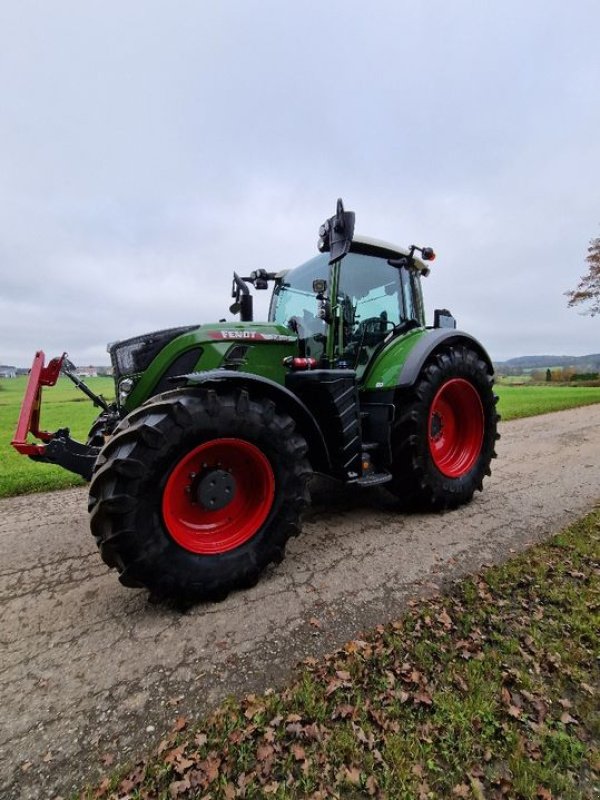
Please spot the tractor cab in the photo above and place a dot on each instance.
(373, 302)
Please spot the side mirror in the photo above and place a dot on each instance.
(335, 234)
(427, 254)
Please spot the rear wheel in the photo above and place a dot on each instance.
(197, 492)
(445, 431)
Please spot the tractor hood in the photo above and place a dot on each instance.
(145, 365)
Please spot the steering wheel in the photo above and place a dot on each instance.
(371, 327)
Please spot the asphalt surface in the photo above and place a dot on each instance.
(92, 674)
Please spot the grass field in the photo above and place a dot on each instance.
(64, 405)
(526, 401)
(489, 691)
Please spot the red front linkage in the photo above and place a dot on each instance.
(29, 418)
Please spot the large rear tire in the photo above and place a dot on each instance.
(197, 492)
(445, 432)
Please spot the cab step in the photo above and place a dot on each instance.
(374, 479)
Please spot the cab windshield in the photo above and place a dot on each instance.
(373, 297)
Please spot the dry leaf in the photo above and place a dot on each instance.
(461, 790)
(298, 752)
(352, 775)
(567, 719)
(177, 788)
(343, 675)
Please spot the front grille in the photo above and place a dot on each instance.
(131, 356)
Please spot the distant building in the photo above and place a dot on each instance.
(23, 371)
(105, 371)
(7, 372)
(87, 372)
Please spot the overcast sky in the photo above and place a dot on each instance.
(149, 148)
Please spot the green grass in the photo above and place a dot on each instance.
(526, 401)
(491, 690)
(63, 406)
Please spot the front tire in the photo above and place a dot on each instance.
(445, 432)
(197, 492)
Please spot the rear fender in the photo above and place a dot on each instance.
(399, 364)
(284, 399)
(429, 344)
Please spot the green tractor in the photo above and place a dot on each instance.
(199, 471)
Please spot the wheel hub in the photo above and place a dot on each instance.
(456, 427)
(215, 489)
(218, 496)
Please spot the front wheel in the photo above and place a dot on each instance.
(445, 432)
(197, 492)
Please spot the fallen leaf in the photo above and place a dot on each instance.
(102, 788)
(461, 790)
(264, 752)
(422, 698)
(565, 703)
(162, 747)
(183, 764)
(445, 619)
(352, 775)
(298, 752)
(107, 759)
(567, 719)
(342, 712)
(48, 757)
(180, 724)
(315, 622)
(177, 788)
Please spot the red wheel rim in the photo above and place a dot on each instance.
(456, 427)
(247, 472)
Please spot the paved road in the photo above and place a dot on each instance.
(89, 668)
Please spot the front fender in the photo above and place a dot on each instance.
(258, 386)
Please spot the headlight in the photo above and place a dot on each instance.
(125, 387)
(135, 355)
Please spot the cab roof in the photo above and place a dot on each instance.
(368, 246)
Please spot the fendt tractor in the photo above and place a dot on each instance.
(199, 470)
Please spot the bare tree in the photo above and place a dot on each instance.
(588, 288)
